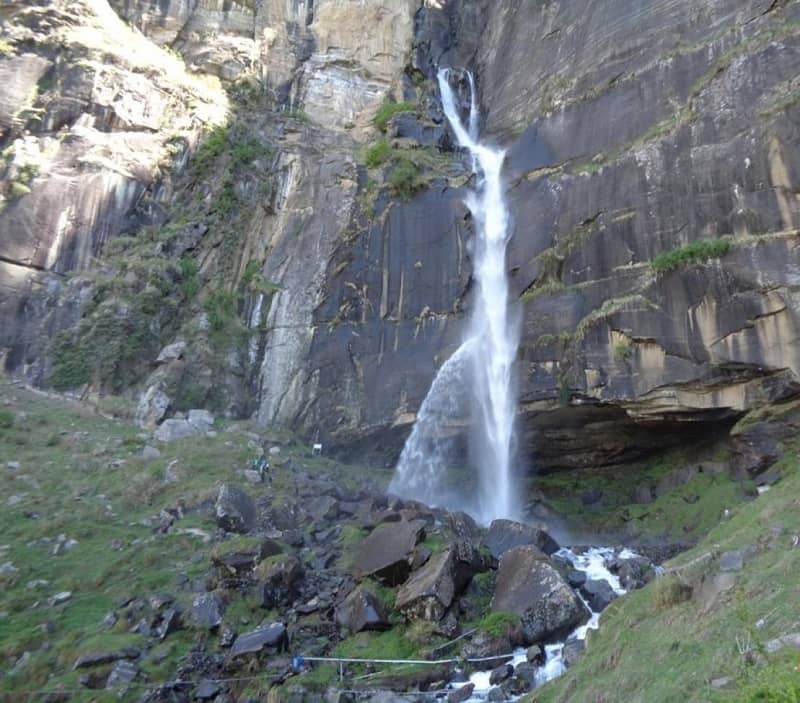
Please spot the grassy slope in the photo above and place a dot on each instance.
(649, 654)
(67, 476)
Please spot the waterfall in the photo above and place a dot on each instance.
(490, 350)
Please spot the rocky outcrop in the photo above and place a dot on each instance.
(530, 586)
(629, 136)
(88, 146)
(386, 552)
(613, 337)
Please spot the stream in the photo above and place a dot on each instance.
(592, 561)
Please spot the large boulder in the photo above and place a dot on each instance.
(279, 578)
(270, 639)
(507, 534)
(235, 511)
(362, 610)
(430, 591)
(386, 552)
(529, 585)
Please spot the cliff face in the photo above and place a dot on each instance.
(630, 134)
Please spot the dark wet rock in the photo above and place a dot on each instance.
(386, 551)
(430, 591)
(573, 650)
(516, 685)
(535, 654)
(529, 585)
(272, 638)
(362, 610)
(461, 694)
(496, 694)
(598, 594)
(576, 578)
(633, 573)
(507, 534)
(500, 674)
(206, 611)
(235, 510)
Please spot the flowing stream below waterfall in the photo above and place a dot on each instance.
(592, 561)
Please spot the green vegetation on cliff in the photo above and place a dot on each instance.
(695, 252)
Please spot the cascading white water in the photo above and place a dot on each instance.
(491, 346)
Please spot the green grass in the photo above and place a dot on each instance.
(652, 649)
(378, 153)
(498, 624)
(389, 109)
(696, 252)
(75, 487)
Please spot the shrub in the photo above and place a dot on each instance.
(691, 253)
(210, 150)
(670, 591)
(378, 154)
(405, 180)
(221, 308)
(388, 110)
(190, 283)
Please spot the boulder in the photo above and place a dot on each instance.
(527, 672)
(279, 578)
(172, 352)
(206, 611)
(500, 674)
(270, 638)
(463, 528)
(535, 654)
(243, 553)
(461, 694)
(598, 594)
(386, 551)
(174, 429)
(362, 610)
(153, 405)
(507, 534)
(529, 585)
(235, 511)
(431, 590)
(201, 421)
(323, 508)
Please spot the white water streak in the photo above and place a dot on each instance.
(492, 346)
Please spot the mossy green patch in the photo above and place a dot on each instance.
(388, 110)
(695, 252)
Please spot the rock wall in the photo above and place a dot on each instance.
(91, 119)
(630, 134)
